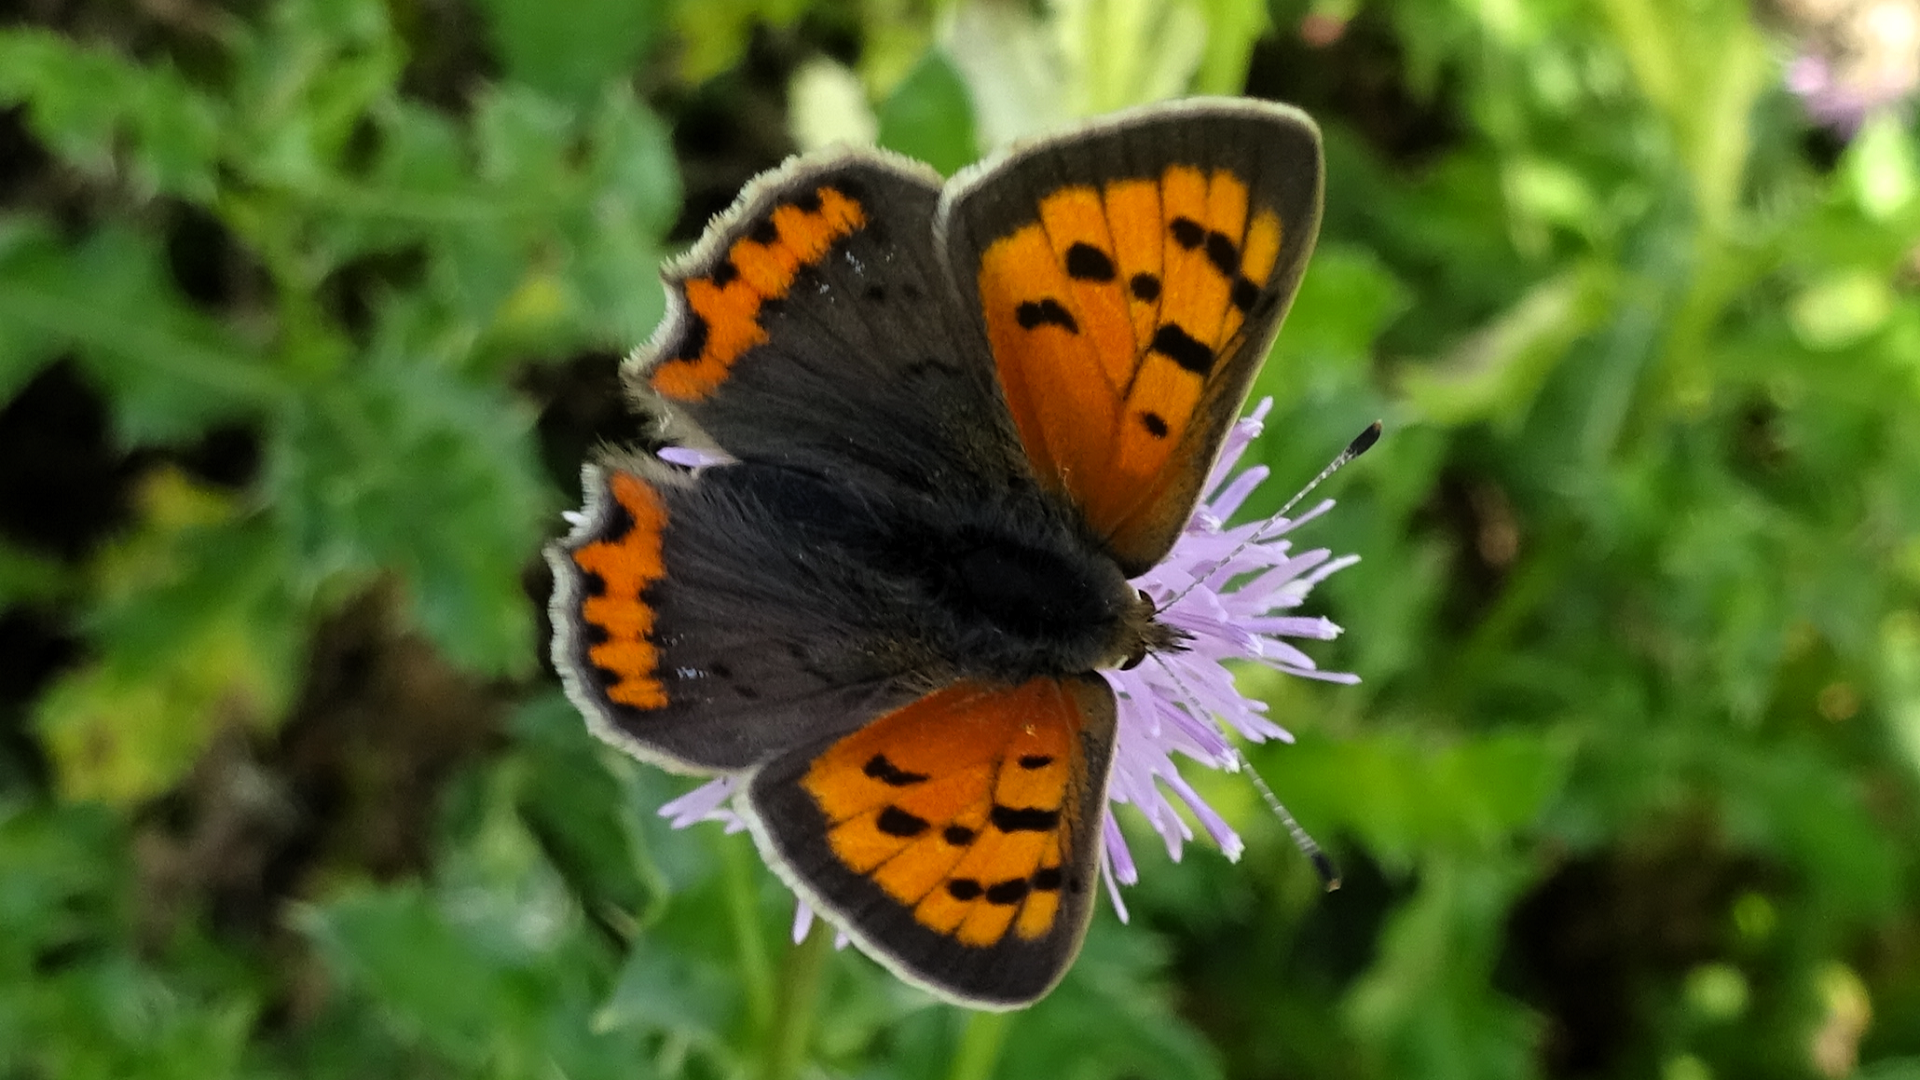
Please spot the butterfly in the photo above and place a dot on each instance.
(944, 425)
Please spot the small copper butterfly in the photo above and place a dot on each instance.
(951, 421)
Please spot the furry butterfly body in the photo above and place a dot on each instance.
(951, 422)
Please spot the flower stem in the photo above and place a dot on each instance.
(980, 1044)
(799, 993)
(756, 971)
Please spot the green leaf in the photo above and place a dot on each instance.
(929, 116)
(572, 51)
(168, 370)
(564, 794)
(196, 633)
(715, 32)
(1843, 309)
(91, 107)
(1405, 797)
(408, 468)
(1114, 987)
(1881, 168)
(1496, 373)
(1426, 1004)
(1233, 26)
(432, 982)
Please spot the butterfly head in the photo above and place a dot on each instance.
(1144, 633)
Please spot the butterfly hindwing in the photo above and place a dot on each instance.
(814, 326)
(709, 621)
(957, 837)
(1129, 278)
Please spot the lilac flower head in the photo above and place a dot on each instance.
(1230, 591)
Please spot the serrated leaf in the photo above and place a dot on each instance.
(404, 468)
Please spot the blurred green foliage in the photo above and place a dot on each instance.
(1628, 790)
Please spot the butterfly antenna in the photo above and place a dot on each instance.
(1322, 862)
(1361, 444)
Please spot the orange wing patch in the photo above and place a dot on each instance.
(723, 308)
(616, 572)
(961, 806)
(1110, 315)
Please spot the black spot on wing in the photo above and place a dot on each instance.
(1187, 232)
(1089, 263)
(1244, 294)
(897, 822)
(724, 273)
(1035, 761)
(1011, 891)
(693, 338)
(618, 524)
(1155, 424)
(1048, 312)
(1047, 879)
(1023, 819)
(1146, 287)
(1223, 254)
(808, 203)
(879, 768)
(964, 889)
(764, 232)
(1183, 348)
(958, 835)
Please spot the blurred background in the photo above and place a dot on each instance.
(309, 312)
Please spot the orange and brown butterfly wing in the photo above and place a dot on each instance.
(1130, 278)
(956, 838)
(710, 623)
(813, 326)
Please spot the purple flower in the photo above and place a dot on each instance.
(1856, 60)
(1229, 590)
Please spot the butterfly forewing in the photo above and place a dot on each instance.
(1129, 280)
(814, 327)
(958, 837)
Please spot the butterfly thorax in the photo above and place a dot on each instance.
(1021, 594)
